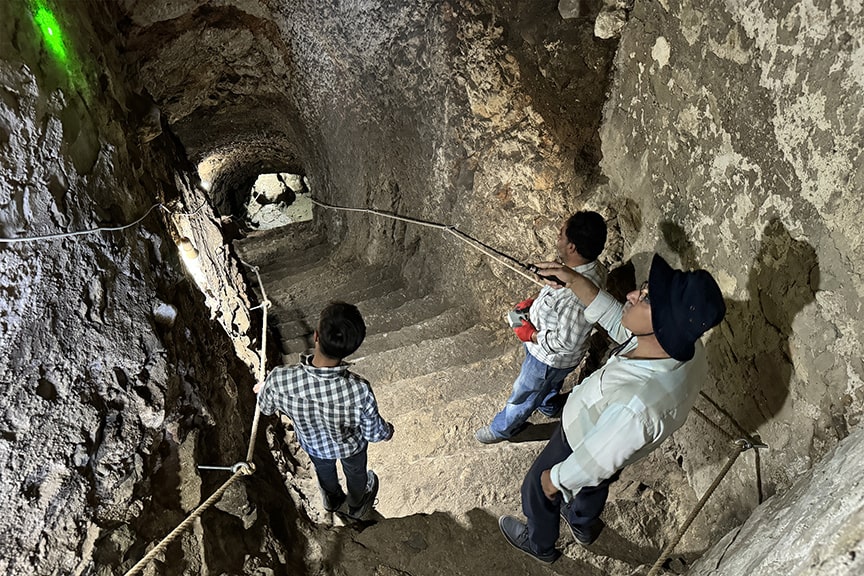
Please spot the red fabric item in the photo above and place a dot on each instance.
(525, 331)
(524, 305)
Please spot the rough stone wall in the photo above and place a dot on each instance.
(471, 114)
(816, 527)
(734, 131)
(115, 382)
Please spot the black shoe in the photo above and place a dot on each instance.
(332, 503)
(516, 534)
(584, 537)
(360, 511)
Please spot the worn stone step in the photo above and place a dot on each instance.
(263, 246)
(377, 309)
(402, 313)
(432, 323)
(474, 344)
(493, 376)
(490, 476)
(285, 264)
(304, 295)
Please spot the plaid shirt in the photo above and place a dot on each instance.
(334, 411)
(562, 329)
(624, 410)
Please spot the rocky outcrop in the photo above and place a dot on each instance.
(816, 527)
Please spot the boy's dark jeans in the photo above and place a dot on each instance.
(354, 468)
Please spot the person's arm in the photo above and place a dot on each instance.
(600, 307)
(582, 287)
(618, 434)
(373, 426)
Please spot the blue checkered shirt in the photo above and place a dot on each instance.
(334, 411)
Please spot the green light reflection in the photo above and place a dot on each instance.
(52, 34)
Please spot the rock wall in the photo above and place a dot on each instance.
(115, 381)
(732, 130)
(816, 527)
(463, 113)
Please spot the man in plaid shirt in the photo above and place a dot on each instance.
(556, 333)
(334, 411)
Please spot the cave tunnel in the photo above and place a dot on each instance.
(171, 174)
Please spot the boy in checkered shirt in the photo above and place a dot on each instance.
(334, 411)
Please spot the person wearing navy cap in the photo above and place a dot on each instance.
(649, 385)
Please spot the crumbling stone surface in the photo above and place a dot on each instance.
(115, 381)
(729, 126)
(816, 527)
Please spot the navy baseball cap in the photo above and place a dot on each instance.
(684, 305)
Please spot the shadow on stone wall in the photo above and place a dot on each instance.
(749, 357)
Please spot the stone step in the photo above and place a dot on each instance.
(284, 264)
(493, 376)
(398, 309)
(432, 323)
(303, 296)
(489, 476)
(400, 315)
(476, 343)
(263, 246)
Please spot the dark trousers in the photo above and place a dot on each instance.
(583, 510)
(354, 468)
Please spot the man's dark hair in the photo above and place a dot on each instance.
(587, 231)
(341, 330)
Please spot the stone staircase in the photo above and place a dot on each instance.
(439, 372)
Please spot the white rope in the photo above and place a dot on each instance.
(474, 243)
(262, 365)
(79, 232)
(101, 228)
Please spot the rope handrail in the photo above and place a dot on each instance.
(496, 255)
(80, 232)
(262, 366)
(59, 235)
(187, 522)
(741, 446)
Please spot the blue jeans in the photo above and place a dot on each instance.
(582, 512)
(535, 387)
(354, 468)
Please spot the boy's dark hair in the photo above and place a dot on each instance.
(341, 330)
(587, 231)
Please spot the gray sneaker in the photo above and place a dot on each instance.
(485, 436)
(516, 534)
(362, 510)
